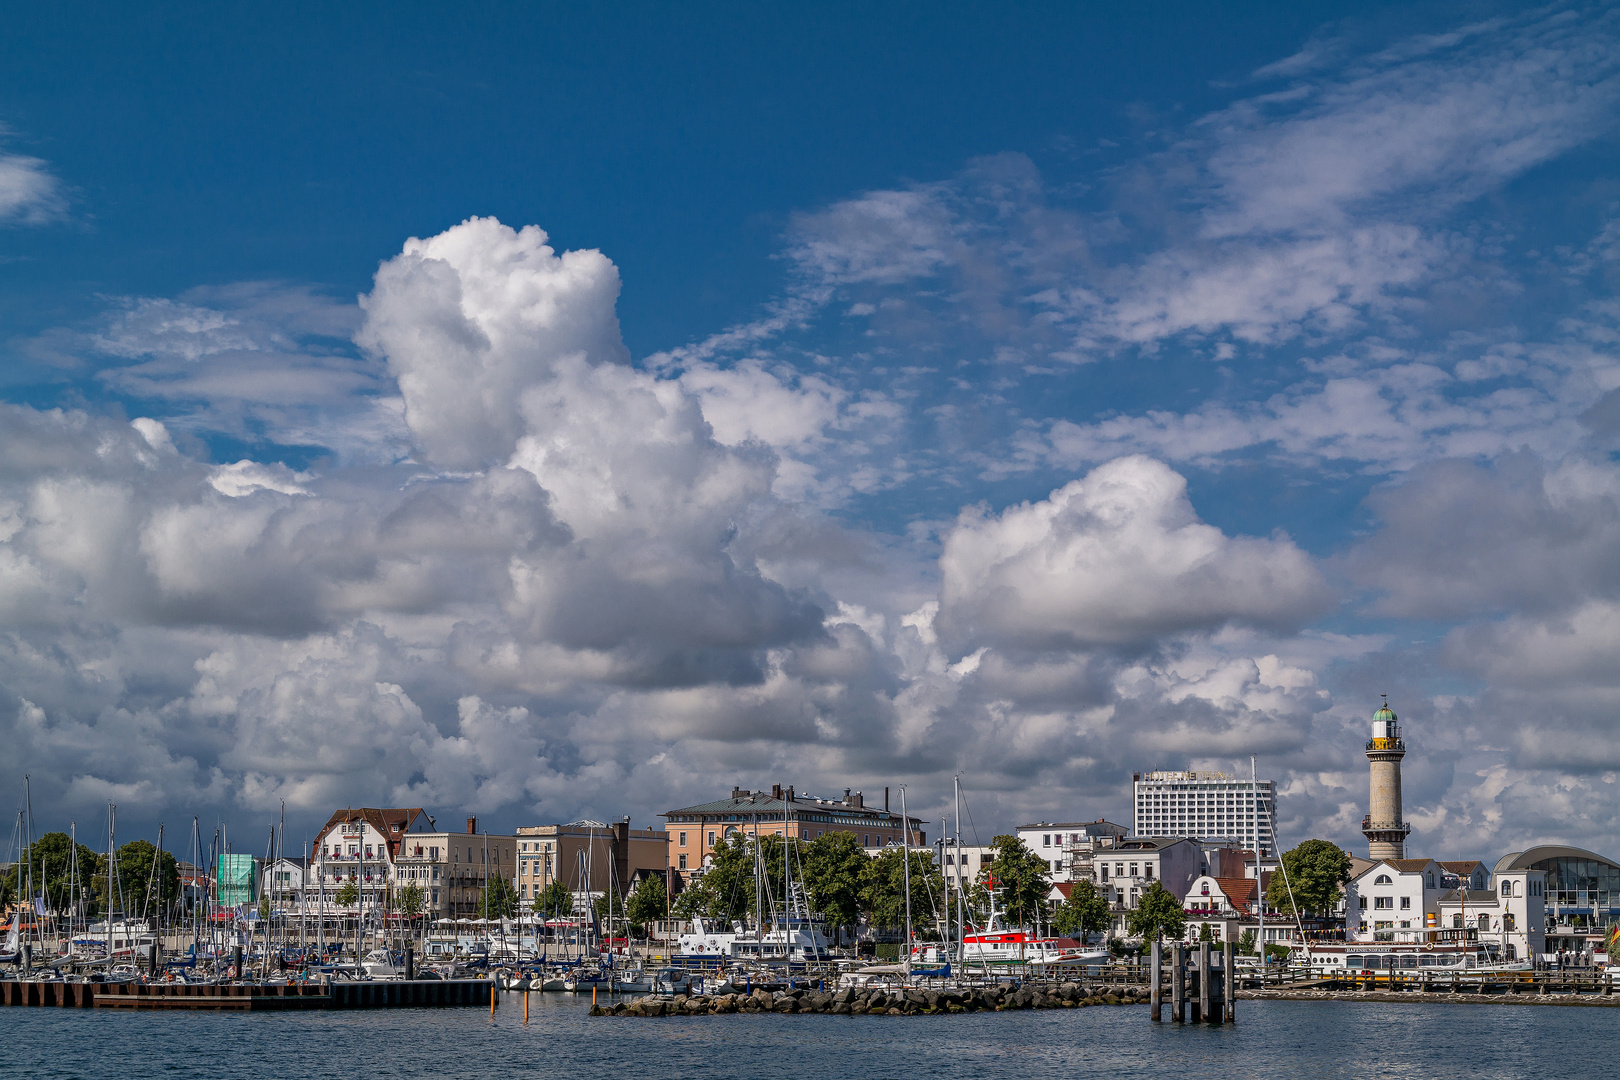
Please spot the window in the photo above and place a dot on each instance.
(1046, 840)
(1507, 888)
(1456, 922)
(711, 839)
(683, 862)
(1406, 903)
(1382, 879)
(1382, 902)
(1362, 903)
(1147, 871)
(683, 840)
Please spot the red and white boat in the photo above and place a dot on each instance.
(999, 945)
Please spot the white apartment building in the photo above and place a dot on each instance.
(1392, 898)
(1207, 805)
(1512, 916)
(966, 869)
(1068, 846)
(384, 850)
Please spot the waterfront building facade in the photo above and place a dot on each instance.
(1209, 805)
(453, 869)
(1582, 893)
(1132, 866)
(1070, 846)
(964, 869)
(1510, 918)
(590, 857)
(695, 831)
(1392, 899)
(359, 845)
(1470, 873)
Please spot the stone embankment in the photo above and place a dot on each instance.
(882, 1001)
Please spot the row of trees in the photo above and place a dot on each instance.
(142, 885)
(844, 884)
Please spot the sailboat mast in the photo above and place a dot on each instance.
(73, 879)
(905, 850)
(1259, 867)
(112, 872)
(28, 857)
(961, 887)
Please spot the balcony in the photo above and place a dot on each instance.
(1386, 745)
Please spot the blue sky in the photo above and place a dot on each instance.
(556, 412)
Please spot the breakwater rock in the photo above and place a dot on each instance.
(886, 1001)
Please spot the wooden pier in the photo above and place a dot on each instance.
(249, 996)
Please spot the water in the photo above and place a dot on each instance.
(1352, 1040)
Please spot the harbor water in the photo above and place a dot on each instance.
(1324, 1039)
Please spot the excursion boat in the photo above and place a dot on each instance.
(1437, 957)
(792, 940)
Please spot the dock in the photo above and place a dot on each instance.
(252, 997)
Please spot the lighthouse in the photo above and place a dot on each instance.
(1385, 831)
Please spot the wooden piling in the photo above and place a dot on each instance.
(1201, 1012)
(1229, 983)
(1178, 991)
(1155, 972)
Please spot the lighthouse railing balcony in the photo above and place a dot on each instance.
(1386, 744)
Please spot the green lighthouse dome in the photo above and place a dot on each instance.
(1384, 713)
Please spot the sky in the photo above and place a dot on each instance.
(549, 412)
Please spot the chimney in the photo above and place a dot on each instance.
(776, 791)
(472, 826)
(885, 800)
(860, 801)
(790, 793)
(846, 798)
(737, 792)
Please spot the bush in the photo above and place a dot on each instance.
(887, 952)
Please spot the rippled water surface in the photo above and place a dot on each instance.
(1271, 1039)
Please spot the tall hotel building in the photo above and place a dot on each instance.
(1205, 805)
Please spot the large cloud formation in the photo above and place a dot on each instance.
(573, 593)
(861, 540)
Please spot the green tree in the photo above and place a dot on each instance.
(51, 857)
(1019, 879)
(648, 902)
(1206, 932)
(1085, 912)
(1158, 914)
(883, 889)
(726, 889)
(1317, 870)
(140, 891)
(410, 900)
(348, 894)
(554, 901)
(498, 900)
(1246, 942)
(834, 868)
(692, 901)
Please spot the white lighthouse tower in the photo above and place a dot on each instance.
(1385, 831)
